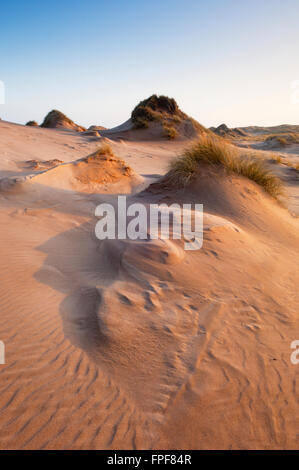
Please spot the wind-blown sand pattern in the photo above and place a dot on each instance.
(141, 344)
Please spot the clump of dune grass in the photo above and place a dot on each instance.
(277, 139)
(284, 139)
(155, 108)
(176, 119)
(104, 152)
(169, 132)
(105, 149)
(141, 123)
(277, 160)
(145, 114)
(292, 165)
(212, 151)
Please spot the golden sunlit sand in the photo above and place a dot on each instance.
(121, 344)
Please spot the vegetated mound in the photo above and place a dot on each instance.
(210, 155)
(94, 131)
(164, 114)
(101, 167)
(270, 130)
(154, 107)
(220, 130)
(90, 174)
(225, 131)
(91, 133)
(96, 128)
(32, 123)
(57, 120)
(281, 140)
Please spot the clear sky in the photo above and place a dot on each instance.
(226, 61)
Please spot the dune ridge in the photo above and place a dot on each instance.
(140, 344)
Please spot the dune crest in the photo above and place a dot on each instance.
(56, 119)
(101, 170)
(157, 118)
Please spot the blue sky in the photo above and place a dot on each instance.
(226, 61)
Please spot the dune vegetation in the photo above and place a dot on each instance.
(283, 139)
(103, 332)
(32, 123)
(169, 131)
(56, 119)
(213, 151)
(155, 108)
(165, 111)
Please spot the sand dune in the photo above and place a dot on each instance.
(98, 171)
(57, 120)
(157, 118)
(140, 344)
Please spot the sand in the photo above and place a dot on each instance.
(141, 345)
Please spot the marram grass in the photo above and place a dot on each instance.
(213, 151)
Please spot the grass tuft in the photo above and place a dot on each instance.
(294, 166)
(140, 123)
(277, 160)
(212, 151)
(284, 139)
(169, 132)
(105, 149)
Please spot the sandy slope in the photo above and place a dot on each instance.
(141, 344)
